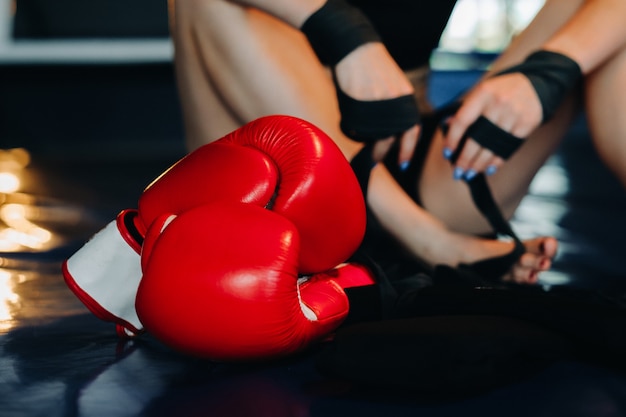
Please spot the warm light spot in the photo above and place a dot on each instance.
(9, 182)
(14, 158)
(6, 242)
(12, 213)
(20, 230)
(12, 161)
(8, 298)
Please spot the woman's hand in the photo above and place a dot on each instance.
(510, 102)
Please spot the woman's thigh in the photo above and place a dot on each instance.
(235, 64)
(605, 104)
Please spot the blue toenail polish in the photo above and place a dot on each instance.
(458, 173)
(470, 174)
(404, 165)
(491, 169)
(447, 153)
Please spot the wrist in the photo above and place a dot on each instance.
(553, 75)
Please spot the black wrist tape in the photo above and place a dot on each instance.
(369, 121)
(336, 29)
(553, 75)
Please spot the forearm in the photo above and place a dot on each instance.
(594, 33)
(420, 232)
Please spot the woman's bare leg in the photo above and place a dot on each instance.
(236, 64)
(206, 116)
(605, 106)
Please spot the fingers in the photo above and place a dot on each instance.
(472, 158)
(458, 124)
(475, 159)
(381, 147)
(408, 141)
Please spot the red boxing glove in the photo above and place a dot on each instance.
(221, 282)
(281, 163)
(277, 162)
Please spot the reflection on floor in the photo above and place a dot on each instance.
(58, 360)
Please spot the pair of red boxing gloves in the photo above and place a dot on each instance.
(237, 251)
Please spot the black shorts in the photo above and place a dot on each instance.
(411, 29)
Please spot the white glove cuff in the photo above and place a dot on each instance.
(105, 274)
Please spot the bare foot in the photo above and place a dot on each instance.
(538, 257)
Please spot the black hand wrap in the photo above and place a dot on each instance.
(368, 121)
(553, 75)
(484, 132)
(493, 137)
(335, 30)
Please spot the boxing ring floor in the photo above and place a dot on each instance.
(58, 360)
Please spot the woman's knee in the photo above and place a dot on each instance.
(185, 14)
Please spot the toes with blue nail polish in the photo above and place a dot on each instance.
(447, 153)
(404, 165)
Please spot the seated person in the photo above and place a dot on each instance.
(237, 60)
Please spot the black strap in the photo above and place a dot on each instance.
(481, 194)
(484, 201)
(369, 121)
(362, 164)
(336, 29)
(479, 188)
(490, 268)
(553, 75)
(494, 138)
